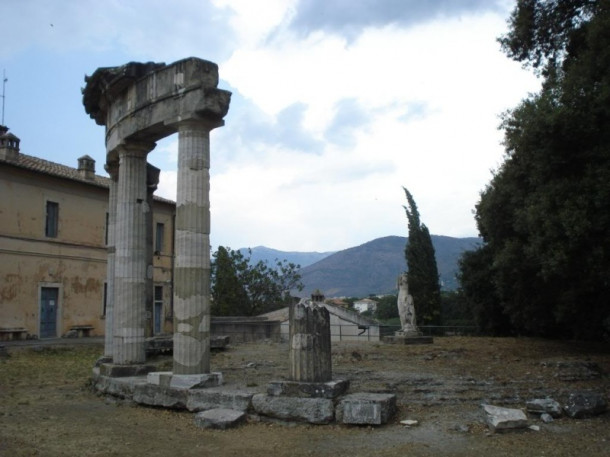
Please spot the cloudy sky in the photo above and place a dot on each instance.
(336, 105)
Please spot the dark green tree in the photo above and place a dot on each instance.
(242, 289)
(229, 296)
(423, 276)
(545, 215)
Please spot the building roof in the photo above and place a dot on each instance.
(58, 170)
(55, 169)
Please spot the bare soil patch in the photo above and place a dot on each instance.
(47, 407)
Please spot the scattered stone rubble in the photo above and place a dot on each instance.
(578, 405)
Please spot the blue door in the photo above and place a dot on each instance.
(48, 312)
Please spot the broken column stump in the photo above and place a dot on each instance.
(309, 395)
(310, 358)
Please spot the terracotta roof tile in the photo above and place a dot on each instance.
(61, 171)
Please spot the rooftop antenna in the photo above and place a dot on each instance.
(4, 80)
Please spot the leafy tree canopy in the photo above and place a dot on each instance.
(545, 215)
(242, 289)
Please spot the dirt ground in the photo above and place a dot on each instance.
(47, 407)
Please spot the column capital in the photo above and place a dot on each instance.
(138, 149)
(152, 177)
(112, 168)
(195, 123)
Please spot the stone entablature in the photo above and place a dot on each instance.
(145, 102)
(139, 104)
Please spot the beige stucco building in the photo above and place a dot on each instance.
(53, 235)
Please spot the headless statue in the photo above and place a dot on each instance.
(406, 306)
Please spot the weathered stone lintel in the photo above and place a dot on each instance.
(331, 389)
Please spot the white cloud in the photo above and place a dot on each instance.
(327, 120)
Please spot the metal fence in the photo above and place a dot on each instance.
(256, 330)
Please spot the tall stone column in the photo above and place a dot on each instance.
(130, 259)
(113, 171)
(192, 249)
(152, 181)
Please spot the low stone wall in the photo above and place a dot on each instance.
(246, 329)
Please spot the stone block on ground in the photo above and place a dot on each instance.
(219, 398)
(502, 419)
(585, 404)
(331, 389)
(220, 418)
(543, 405)
(312, 410)
(366, 408)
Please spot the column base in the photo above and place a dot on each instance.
(184, 381)
(113, 370)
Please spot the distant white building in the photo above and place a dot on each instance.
(366, 304)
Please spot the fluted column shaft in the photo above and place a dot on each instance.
(130, 258)
(192, 249)
(152, 180)
(113, 171)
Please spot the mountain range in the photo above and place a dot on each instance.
(371, 268)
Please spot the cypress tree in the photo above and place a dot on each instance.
(421, 264)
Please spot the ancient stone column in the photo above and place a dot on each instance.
(130, 259)
(310, 351)
(152, 181)
(192, 250)
(113, 170)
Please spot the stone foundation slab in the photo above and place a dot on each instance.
(184, 381)
(312, 410)
(118, 387)
(219, 398)
(122, 371)
(153, 395)
(331, 389)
